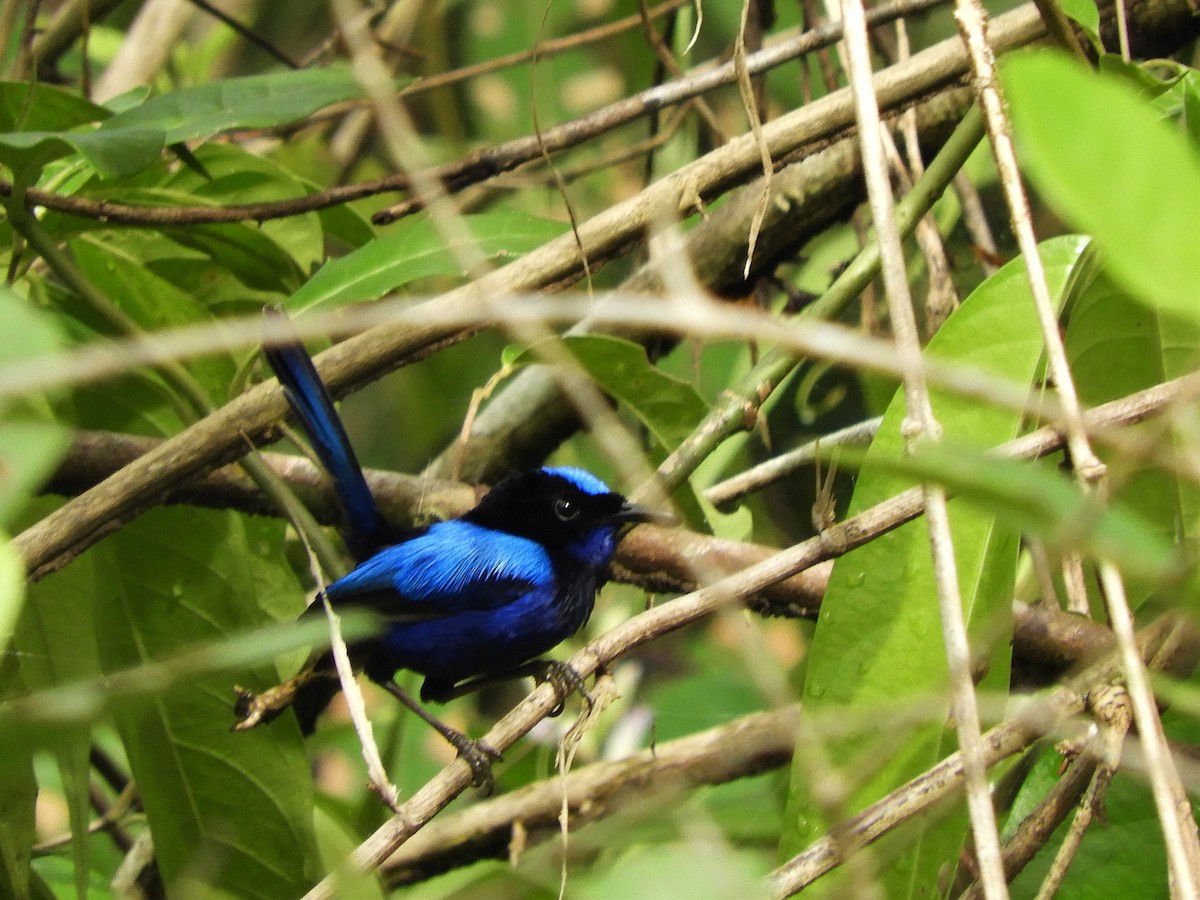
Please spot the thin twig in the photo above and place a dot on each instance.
(353, 362)
(1037, 827)
(64, 28)
(755, 479)
(222, 436)
(976, 221)
(1058, 26)
(247, 33)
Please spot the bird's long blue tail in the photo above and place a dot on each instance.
(364, 529)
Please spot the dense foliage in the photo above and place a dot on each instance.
(166, 173)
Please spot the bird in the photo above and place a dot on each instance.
(465, 601)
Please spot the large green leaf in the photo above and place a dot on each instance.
(246, 252)
(1044, 504)
(669, 407)
(1122, 857)
(40, 123)
(30, 445)
(1106, 325)
(412, 250)
(56, 644)
(878, 642)
(235, 175)
(26, 106)
(119, 267)
(29, 451)
(130, 141)
(12, 589)
(1100, 153)
(682, 868)
(253, 101)
(18, 793)
(235, 808)
(112, 152)
(18, 787)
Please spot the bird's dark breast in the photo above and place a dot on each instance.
(578, 597)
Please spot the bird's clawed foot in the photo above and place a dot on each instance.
(565, 680)
(252, 709)
(479, 755)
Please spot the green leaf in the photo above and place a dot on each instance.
(27, 332)
(55, 638)
(235, 806)
(1085, 13)
(113, 152)
(1033, 500)
(29, 452)
(412, 250)
(679, 869)
(38, 106)
(74, 767)
(44, 718)
(18, 795)
(56, 645)
(120, 265)
(877, 649)
(669, 407)
(1105, 324)
(244, 251)
(12, 589)
(18, 786)
(1139, 197)
(253, 101)
(336, 844)
(1122, 858)
(30, 448)
(237, 176)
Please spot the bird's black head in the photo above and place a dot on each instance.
(561, 508)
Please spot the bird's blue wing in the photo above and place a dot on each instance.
(365, 529)
(452, 567)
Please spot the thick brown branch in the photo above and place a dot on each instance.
(656, 558)
(659, 558)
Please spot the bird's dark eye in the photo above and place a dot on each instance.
(565, 509)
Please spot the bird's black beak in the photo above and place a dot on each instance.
(632, 513)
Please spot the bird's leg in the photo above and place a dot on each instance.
(477, 754)
(562, 677)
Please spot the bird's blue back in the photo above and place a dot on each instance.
(462, 599)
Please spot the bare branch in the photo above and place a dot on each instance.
(745, 747)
